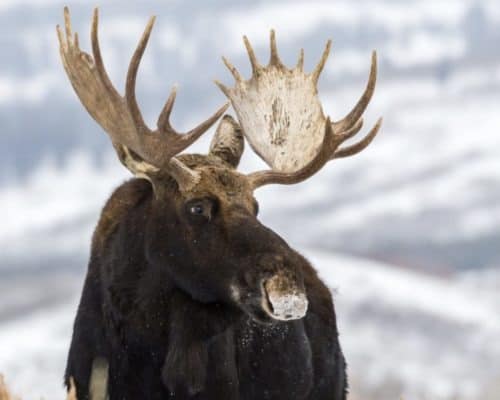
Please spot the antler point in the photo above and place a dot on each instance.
(275, 59)
(300, 61)
(150, 25)
(251, 55)
(60, 37)
(232, 69)
(317, 71)
(95, 18)
(222, 87)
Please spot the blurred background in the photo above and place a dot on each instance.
(407, 234)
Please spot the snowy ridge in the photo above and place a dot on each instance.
(425, 194)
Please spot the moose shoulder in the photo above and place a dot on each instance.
(188, 295)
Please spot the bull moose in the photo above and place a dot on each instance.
(187, 294)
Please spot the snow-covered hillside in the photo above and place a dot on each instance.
(404, 334)
(413, 336)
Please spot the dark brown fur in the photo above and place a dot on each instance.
(157, 302)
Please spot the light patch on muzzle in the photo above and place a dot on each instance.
(283, 301)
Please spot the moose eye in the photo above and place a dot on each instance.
(203, 208)
(196, 209)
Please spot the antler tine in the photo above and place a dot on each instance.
(67, 23)
(300, 61)
(164, 118)
(186, 139)
(185, 177)
(77, 41)
(223, 88)
(60, 37)
(68, 40)
(361, 145)
(237, 76)
(132, 76)
(275, 58)
(190, 137)
(317, 71)
(251, 55)
(352, 131)
(96, 51)
(363, 102)
(183, 141)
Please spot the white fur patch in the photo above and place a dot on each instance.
(235, 292)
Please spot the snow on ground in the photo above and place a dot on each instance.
(410, 335)
(33, 351)
(403, 334)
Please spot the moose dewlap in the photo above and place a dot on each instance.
(187, 294)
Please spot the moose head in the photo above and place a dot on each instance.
(201, 225)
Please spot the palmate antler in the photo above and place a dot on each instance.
(120, 116)
(282, 118)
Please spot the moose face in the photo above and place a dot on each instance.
(215, 249)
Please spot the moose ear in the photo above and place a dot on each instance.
(135, 163)
(228, 142)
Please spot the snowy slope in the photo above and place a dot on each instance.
(33, 351)
(403, 334)
(425, 194)
(412, 335)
